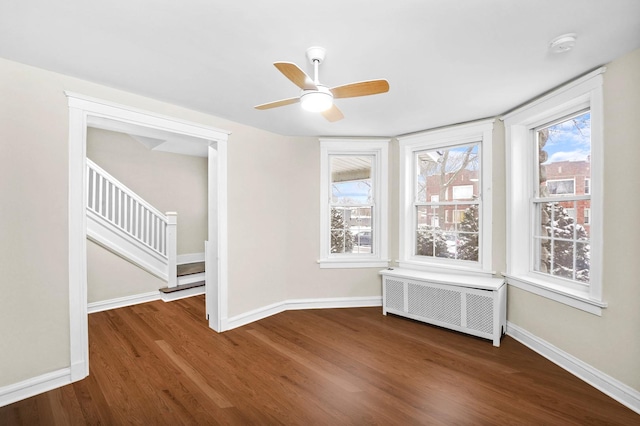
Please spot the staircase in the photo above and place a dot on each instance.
(124, 223)
(191, 282)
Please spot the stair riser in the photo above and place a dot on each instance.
(188, 279)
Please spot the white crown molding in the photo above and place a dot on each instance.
(614, 388)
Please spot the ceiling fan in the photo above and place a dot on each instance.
(317, 97)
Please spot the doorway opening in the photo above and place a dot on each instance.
(85, 112)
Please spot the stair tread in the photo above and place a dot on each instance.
(182, 287)
(190, 268)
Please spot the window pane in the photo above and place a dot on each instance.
(439, 172)
(564, 157)
(447, 230)
(341, 237)
(422, 216)
(430, 241)
(562, 241)
(351, 230)
(582, 262)
(543, 255)
(360, 228)
(467, 234)
(351, 179)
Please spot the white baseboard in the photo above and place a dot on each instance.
(296, 304)
(121, 302)
(34, 386)
(190, 258)
(617, 390)
(170, 297)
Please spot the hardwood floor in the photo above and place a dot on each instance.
(158, 363)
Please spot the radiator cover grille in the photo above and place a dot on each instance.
(435, 303)
(394, 296)
(480, 313)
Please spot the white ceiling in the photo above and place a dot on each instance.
(446, 61)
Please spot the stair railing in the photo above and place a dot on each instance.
(125, 210)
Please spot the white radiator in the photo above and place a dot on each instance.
(470, 304)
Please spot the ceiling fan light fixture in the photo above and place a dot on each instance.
(316, 101)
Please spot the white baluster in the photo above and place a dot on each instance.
(112, 191)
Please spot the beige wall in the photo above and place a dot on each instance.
(276, 179)
(34, 307)
(610, 343)
(169, 182)
(110, 276)
(270, 260)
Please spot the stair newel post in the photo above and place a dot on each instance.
(172, 249)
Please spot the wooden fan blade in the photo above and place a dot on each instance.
(279, 103)
(333, 114)
(296, 75)
(361, 88)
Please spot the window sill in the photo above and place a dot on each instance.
(574, 298)
(443, 268)
(352, 263)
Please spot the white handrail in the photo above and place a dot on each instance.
(124, 209)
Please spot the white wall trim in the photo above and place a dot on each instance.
(121, 302)
(34, 386)
(297, 304)
(190, 258)
(614, 388)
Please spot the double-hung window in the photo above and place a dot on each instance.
(445, 219)
(554, 193)
(353, 203)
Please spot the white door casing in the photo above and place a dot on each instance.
(82, 110)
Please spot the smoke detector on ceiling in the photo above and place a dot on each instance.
(563, 43)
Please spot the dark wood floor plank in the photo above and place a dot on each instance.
(159, 363)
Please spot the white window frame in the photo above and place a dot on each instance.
(379, 150)
(583, 93)
(478, 132)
